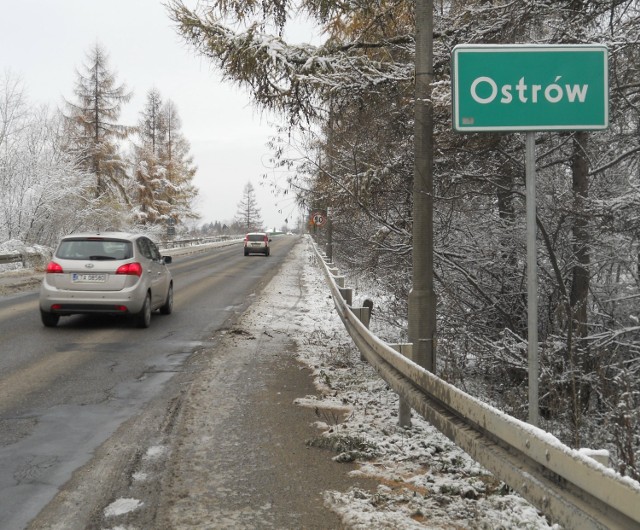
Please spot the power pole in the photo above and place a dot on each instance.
(422, 303)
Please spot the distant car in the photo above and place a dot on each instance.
(256, 243)
(106, 273)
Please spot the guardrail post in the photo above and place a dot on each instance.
(364, 315)
(339, 281)
(404, 410)
(347, 294)
(599, 455)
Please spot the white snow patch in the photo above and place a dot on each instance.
(155, 451)
(122, 506)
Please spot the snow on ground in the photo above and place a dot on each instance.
(425, 481)
(122, 506)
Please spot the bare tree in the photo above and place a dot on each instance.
(248, 213)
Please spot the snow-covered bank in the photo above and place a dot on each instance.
(34, 256)
(425, 480)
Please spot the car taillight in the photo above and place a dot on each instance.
(130, 269)
(54, 268)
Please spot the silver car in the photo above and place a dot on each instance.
(110, 272)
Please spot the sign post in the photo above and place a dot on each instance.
(529, 88)
(532, 277)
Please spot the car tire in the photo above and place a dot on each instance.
(246, 253)
(143, 318)
(50, 320)
(267, 253)
(167, 307)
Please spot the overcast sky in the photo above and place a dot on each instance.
(44, 42)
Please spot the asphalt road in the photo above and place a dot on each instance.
(65, 391)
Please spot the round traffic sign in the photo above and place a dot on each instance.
(318, 218)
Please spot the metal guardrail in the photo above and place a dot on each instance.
(11, 258)
(573, 489)
(18, 257)
(180, 243)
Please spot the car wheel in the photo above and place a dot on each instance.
(267, 253)
(167, 308)
(246, 253)
(50, 320)
(143, 318)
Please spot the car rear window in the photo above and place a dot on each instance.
(95, 249)
(256, 237)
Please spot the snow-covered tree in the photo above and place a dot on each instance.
(368, 47)
(180, 193)
(149, 173)
(164, 169)
(42, 190)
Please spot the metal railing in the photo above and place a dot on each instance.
(19, 257)
(571, 488)
(14, 257)
(181, 243)
(24, 258)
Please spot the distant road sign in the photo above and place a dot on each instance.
(530, 87)
(318, 218)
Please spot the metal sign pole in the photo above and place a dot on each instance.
(532, 276)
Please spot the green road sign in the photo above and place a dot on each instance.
(530, 87)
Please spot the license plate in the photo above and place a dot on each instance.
(88, 278)
(256, 244)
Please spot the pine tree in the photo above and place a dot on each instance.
(163, 166)
(149, 175)
(92, 119)
(178, 163)
(248, 213)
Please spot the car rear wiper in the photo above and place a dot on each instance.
(101, 258)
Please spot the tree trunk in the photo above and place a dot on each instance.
(580, 358)
(580, 284)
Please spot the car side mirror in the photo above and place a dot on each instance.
(269, 240)
(167, 259)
